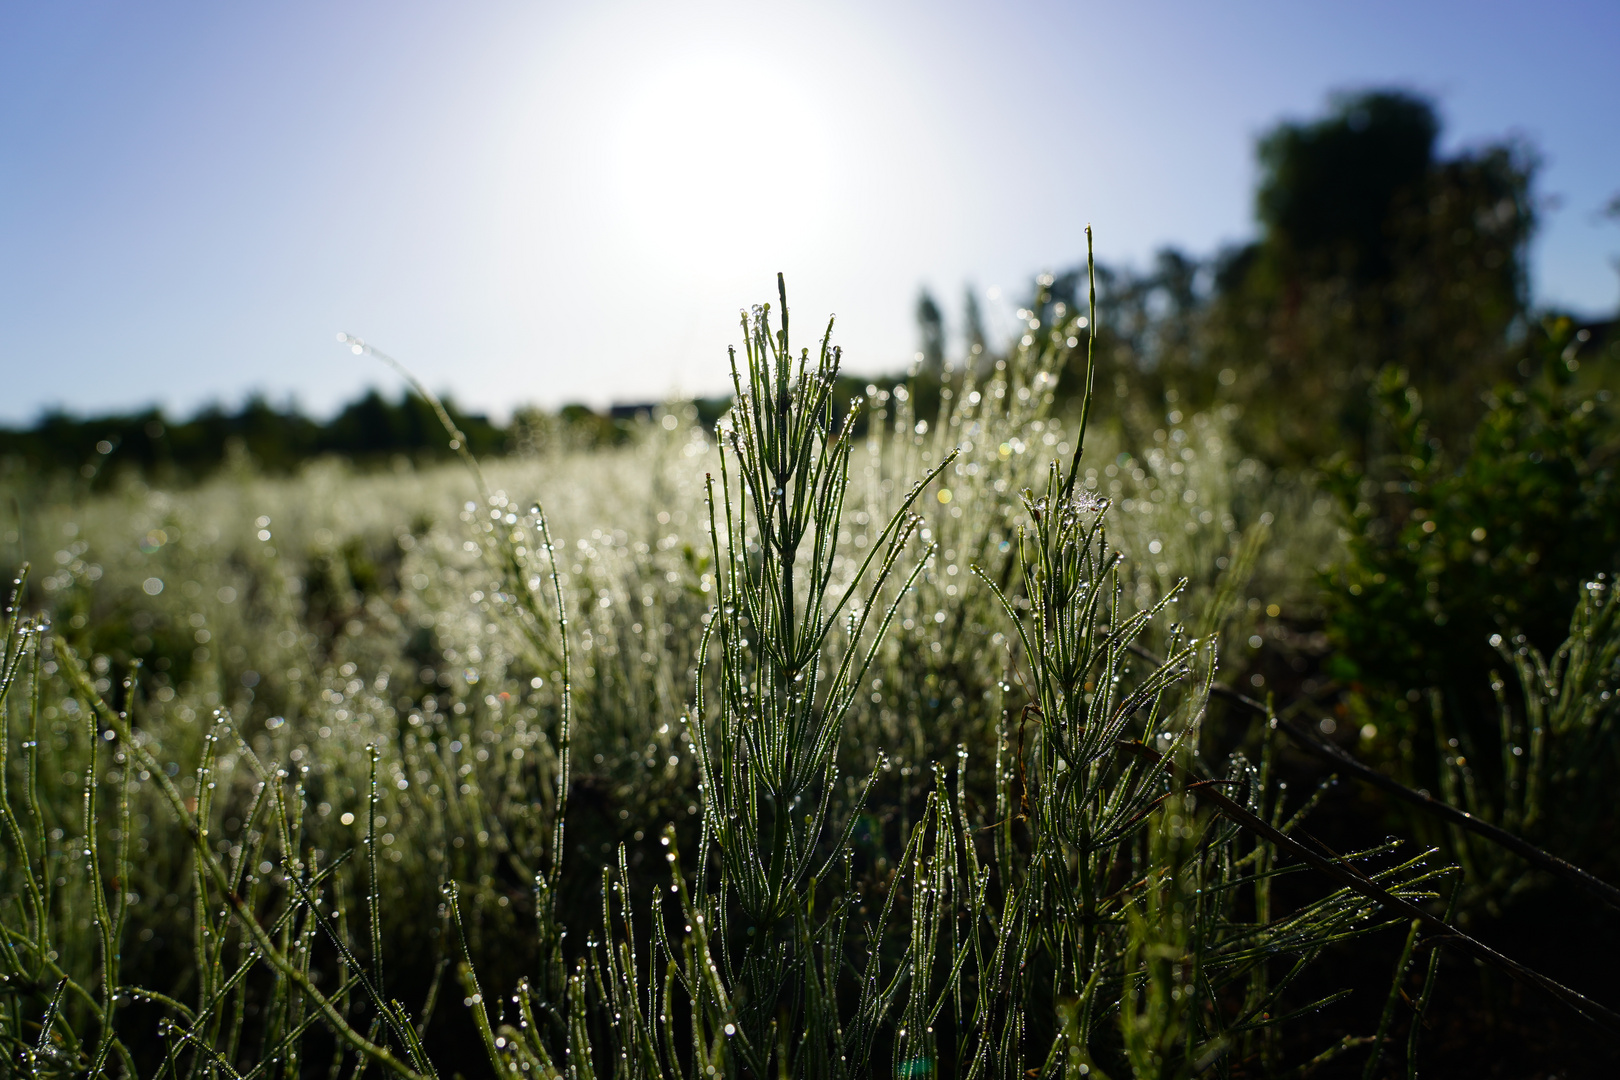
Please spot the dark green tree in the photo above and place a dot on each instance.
(370, 430)
(930, 334)
(1329, 189)
(1373, 252)
(973, 338)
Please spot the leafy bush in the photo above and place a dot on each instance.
(1446, 550)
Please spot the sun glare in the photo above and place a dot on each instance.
(710, 152)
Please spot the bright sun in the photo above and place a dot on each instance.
(719, 161)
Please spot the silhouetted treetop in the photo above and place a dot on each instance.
(1328, 187)
(930, 333)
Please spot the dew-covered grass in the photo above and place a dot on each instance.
(791, 748)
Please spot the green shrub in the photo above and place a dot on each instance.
(1447, 549)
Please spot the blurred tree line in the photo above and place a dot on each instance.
(369, 430)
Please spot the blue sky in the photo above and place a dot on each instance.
(546, 202)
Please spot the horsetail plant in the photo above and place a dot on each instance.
(781, 698)
(1566, 716)
(766, 976)
(786, 681)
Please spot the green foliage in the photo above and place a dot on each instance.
(1446, 550)
(1557, 753)
(1157, 1015)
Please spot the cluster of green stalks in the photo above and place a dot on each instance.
(926, 787)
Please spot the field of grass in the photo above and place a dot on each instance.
(767, 750)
